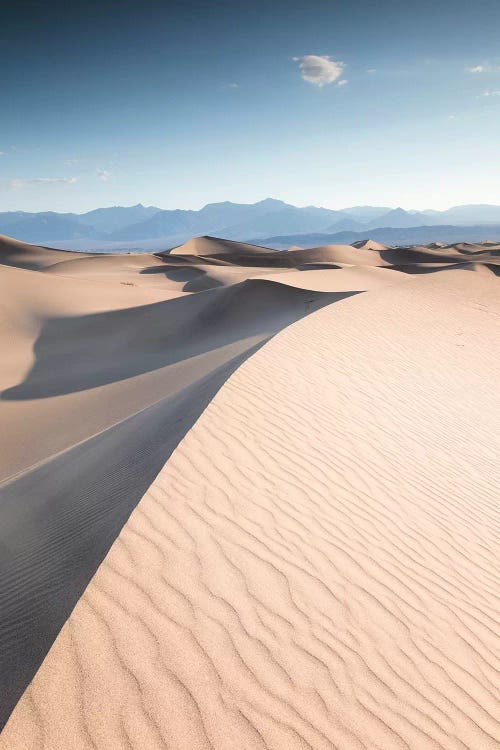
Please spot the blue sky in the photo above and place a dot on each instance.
(178, 104)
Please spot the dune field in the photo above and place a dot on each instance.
(249, 498)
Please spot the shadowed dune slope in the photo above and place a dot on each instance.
(317, 565)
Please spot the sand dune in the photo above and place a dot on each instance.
(112, 392)
(254, 507)
(369, 245)
(129, 270)
(22, 255)
(327, 278)
(216, 246)
(400, 257)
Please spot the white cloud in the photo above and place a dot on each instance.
(320, 70)
(3, 153)
(371, 70)
(491, 93)
(22, 182)
(71, 162)
(483, 68)
(232, 86)
(342, 82)
(103, 175)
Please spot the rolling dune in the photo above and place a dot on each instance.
(263, 512)
(216, 246)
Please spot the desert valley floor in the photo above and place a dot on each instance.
(249, 499)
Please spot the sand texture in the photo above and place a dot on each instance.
(252, 503)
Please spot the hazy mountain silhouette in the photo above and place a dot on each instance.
(399, 218)
(115, 226)
(42, 228)
(469, 214)
(116, 217)
(364, 214)
(417, 235)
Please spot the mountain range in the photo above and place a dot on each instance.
(446, 234)
(149, 227)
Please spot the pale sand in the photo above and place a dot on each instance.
(215, 246)
(316, 566)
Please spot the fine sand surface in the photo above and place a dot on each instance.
(252, 503)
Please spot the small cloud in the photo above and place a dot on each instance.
(20, 183)
(103, 175)
(71, 162)
(491, 93)
(452, 117)
(343, 82)
(3, 153)
(371, 70)
(232, 86)
(320, 70)
(483, 68)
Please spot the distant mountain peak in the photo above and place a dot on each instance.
(218, 203)
(271, 202)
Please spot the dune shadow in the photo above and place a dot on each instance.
(202, 284)
(59, 520)
(175, 273)
(195, 279)
(403, 256)
(325, 266)
(416, 269)
(77, 353)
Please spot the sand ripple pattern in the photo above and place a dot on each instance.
(317, 565)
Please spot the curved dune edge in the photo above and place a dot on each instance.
(317, 564)
(109, 422)
(49, 325)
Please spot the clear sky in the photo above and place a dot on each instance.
(177, 104)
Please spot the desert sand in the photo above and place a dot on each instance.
(249, 498)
